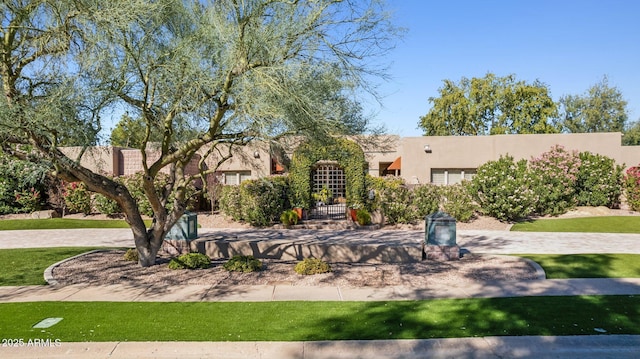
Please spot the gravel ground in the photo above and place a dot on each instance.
(109, 267)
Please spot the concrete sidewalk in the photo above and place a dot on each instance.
(266, 293)
(475, 241)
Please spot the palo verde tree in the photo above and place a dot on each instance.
(488, 106)
(231, 71)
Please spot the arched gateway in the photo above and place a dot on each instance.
(326, 178)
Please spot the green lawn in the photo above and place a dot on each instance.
(25, 266)
(62, 223)
(300, 321)
(559, 266)
(611, 224)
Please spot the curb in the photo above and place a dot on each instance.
(539, 270)
(48, 273)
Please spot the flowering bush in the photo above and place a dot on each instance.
(29, 200)
(20, 181)
(599, 181)
(458, 202)
(426, 199)
(632, 187)
(77, 198)
(553, 177)
(501, 189)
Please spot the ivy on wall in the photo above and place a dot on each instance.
(349, 156)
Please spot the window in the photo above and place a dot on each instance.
(235, 177)
(451, 176)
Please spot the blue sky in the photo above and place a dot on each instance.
(567, 44)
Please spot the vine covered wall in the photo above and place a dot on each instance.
(349, 156)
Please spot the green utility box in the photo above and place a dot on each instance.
(185, 229)
(440, 229)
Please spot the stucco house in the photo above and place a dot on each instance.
(428, 159)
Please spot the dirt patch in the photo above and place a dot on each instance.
(109, 267)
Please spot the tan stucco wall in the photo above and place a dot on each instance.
(99, 159)
(447, 152)
(630, 156)
(469, 152)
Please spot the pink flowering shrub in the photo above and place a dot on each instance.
(77, 198)
(501, 189)
(29, 200)
(553, 180)
(632, 187)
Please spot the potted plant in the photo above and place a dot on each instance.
(299, 210)
(353, 210)
(289, 218)
(323, 196)
(363, 217)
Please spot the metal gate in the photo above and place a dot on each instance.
(328, 192)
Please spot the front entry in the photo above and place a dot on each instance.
(328, 192)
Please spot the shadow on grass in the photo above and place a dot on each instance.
(588, 265)
(580, 315)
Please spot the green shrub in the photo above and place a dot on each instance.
(632, 188)
(29, 200)
(106, 205)
(458, 202)
(289, 217)
(22, 185)
(310, 266)
(599, 181)
(230, 202)
(77, 198)
(264, 200)
(426, 199)
(243, 264)
(131, 255)
(553, 179)
(134, 184)
(501, 189)
(190, 261)
(393, 199)
(363, 217)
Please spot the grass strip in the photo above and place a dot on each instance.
(25, 266)
(606, 224)
(62, 223)
(562, 266)
(300, 321)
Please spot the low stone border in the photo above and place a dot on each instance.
(48, 273)
(539, 270)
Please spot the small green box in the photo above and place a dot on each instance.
(185, 229)
(440, 229)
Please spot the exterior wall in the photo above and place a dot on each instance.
(630, 156)
(446, 152)
(384, 149)
(100, 159)
(469, 152)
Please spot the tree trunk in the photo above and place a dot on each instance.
(148, 253)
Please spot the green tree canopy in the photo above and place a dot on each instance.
(489, 105)
(631, 136)
(231, 71)
(601, 109)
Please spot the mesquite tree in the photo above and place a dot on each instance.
(230, 71)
